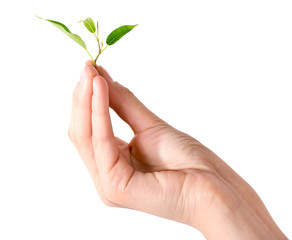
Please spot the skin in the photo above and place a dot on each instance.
(162, 171)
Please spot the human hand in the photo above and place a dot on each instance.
(162, 171)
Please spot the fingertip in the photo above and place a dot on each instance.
(91, 71)
(88, 68)
(89, 62)
(99, 85)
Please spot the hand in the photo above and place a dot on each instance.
(162, 171)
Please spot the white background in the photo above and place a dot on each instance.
(218, 70)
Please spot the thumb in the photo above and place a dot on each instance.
(128, 106)
(103, 140)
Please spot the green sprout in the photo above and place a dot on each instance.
(112, 38)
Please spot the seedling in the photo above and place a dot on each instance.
(112, 38)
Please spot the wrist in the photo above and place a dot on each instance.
(222, 213)
(241, 223)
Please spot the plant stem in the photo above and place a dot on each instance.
(100, 51)
(103, 49)
(97, 42)
(90, 56)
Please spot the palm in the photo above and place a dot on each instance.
(162, 148)
(159, 168)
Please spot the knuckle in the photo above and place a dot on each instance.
(125, 91)
(128, 93)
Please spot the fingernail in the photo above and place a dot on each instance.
(83, 76)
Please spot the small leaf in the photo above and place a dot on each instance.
(89, 24)
(118, 33)
(66, 30)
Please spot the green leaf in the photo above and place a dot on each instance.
(66, 30)
(118, 33)
(89, 24)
